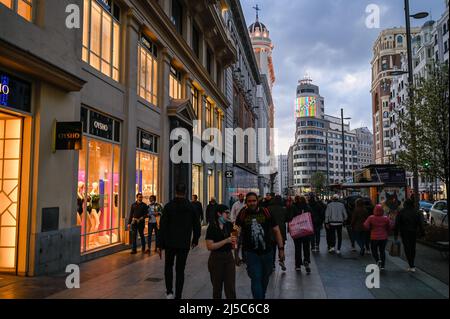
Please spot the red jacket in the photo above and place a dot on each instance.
(378, 224)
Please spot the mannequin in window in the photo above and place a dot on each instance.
(80, 202)
(95, 209)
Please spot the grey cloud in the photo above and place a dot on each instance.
(327, 38)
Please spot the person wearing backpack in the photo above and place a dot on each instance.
(256, 226)
(302, 243)
(409, 223)
(379, 226)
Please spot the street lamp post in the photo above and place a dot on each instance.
(415, 167)
(343, 140)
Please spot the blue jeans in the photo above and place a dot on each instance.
(259, 269)
(152, 226)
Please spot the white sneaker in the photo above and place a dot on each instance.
(170, 296)
(408, 269)
(412, 269)
(338, 252)
(331, 250)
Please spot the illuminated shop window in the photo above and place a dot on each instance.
(175, 84)
(10, 156)
(197, 181)
(24, 8)
(220, 181)
(98, 187)
(147, 165)
(148, 71)
(211, 184)
(101, 36)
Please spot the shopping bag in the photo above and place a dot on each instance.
(394, 250)
(301, 226)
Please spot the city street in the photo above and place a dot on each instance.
(122, 276)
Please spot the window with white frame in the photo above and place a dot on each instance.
(148, 70)
(175, 84)
(101, 36)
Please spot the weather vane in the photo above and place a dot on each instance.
(257, 8)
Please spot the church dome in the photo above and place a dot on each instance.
(258, 27)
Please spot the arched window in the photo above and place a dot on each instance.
(400, 40)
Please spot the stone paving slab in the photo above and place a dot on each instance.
(125, 276)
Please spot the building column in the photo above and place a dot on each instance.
(128, 164)
(164, 100)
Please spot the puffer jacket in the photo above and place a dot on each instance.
(378, 224)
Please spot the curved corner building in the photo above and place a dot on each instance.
(309, 152)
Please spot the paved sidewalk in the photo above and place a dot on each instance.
(124, 276)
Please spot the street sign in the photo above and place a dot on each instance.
(229, 174)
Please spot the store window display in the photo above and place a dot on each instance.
(98, 183)
(147, 165)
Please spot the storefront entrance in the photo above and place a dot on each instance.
(10, 164)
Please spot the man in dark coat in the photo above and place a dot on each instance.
(318, 217)
(211, 210)
(280, 215)
(198, 207)
(180, 231)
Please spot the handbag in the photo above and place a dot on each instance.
(394, 250)
(301, 226)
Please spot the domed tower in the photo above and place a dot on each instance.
(263, 47)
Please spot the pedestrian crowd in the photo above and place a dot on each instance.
(254, 232)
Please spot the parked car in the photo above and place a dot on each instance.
(425, 209)
(438, 214)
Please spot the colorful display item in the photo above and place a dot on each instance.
(306, 106)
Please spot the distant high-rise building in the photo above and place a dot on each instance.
(318, 142)
(364, 145)
(281, 184)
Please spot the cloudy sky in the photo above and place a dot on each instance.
(328, 40)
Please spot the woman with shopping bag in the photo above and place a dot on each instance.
(301, 229)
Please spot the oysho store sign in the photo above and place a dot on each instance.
(101, 126)
(147, 141)
(96, 124)
(15, 93)
(68, 136)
